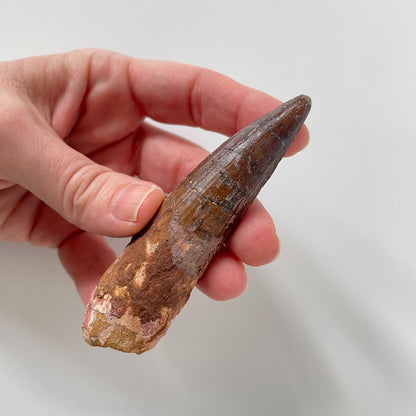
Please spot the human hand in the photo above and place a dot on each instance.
(78, 161)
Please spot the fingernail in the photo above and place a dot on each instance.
(127, 203)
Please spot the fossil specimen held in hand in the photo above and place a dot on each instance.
(146, 287)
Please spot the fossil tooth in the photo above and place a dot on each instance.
(137, 298)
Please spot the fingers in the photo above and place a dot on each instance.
(182, 94)
(254, 240)
(89, 195)
(85, 257)
(225, 277)
(122, 90)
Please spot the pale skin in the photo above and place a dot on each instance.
(79, 161)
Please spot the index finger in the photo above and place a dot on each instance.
(182, 94)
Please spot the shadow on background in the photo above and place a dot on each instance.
(293, 344)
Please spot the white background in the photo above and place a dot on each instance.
(327, 329)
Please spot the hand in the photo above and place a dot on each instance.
(77, 160)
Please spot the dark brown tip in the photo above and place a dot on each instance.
(289, 118)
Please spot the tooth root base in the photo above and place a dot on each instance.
(147, 286)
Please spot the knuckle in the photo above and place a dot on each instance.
(13, 116)
(195, 101)
(82, 186)
(12, 111)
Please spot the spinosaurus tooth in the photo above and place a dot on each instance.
(139, 295)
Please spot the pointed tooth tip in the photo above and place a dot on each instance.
(303, 101)
(291, 118)
(305, 98)
(300, 105)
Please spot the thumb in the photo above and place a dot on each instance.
(89, 195)
(100, 200)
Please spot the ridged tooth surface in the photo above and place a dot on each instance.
(137, 298)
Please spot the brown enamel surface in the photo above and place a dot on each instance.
(147, 286)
